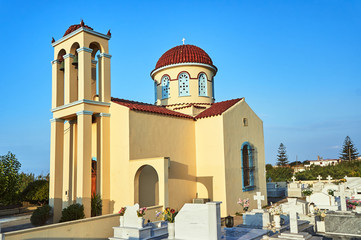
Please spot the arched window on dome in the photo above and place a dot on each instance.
(165, 87)
(247, 167)
(202, 85)
(183, 82)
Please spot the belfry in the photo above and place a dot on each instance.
(185, 147)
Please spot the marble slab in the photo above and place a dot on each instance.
(131, 217)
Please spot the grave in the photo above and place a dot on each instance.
(343, 225)
(199, 222)
(274, 190)
(342, 194)
(294, 189)
(301, 207)
(293, 233)
(258, 218)
(131, 229)
(318, 186)
(323, 201)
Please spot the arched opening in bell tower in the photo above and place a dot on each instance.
(96, 70)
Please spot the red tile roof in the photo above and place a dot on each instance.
(145, 107)
(184, 54)
(214, 110)
(217, 108)
(72, 28)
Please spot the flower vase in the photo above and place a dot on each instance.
(171, 230)
(140, 222)
(121, 221)
(277, 219)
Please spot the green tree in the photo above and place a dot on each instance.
(36, 192)
(349, 151)
(25, 179)
(9, 179)
(282, 159)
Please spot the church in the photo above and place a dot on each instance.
(184, 148)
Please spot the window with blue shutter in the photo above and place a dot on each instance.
(183, 82)
(165, 87)
(202, 85)
(247, 167)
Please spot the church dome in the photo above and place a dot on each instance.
(72, 28)
(184, 54)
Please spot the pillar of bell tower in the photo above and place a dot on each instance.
(84, 73)
(104, 76)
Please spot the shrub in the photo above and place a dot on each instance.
(96, 205)
(36, 192)
(40, 215)
(73, 212)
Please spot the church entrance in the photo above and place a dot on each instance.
(94, 177)
(146, 186)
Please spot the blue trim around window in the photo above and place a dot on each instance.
(251, 185)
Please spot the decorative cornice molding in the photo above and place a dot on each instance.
(95, 62)
(89, 50)
(68, 55)
(104, 55)
(79, 102)
(84, 112)
(78, 31)
(57, 120)
(183, 64)
(103, 115)
(55, 61)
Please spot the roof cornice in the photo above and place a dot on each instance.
(78, 31)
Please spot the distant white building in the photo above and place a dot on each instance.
(322, 162)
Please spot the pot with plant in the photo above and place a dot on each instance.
(141, 213)
(121, 216)
(169, 216)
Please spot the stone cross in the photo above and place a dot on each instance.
(293, 178)
(259, 199)
(183, 40)
(329, 178)
(319, 178)
(292, 202)
(342, 194)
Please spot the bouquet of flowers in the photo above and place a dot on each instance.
(168, 214)
(320, 213)
(352, 203)
(141, 212)
(122, 211)
(244, 204)
(275, 210)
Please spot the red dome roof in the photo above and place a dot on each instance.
(72, 28)
(184, 54)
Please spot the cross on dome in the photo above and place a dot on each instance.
(183, 40)
(258, 197)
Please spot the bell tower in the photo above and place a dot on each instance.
(80, 124)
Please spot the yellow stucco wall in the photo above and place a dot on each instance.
(235, 134)
(154, 135)
(210, 160)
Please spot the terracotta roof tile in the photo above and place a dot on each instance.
(145, 107)
(74, 27)
(217, 108)
(184, 54)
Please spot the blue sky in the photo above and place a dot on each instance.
(297, 63)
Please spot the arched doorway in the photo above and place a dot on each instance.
(146, 186)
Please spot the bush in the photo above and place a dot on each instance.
(96, 205)
(36, 192)
(73, 212)
(40, 215)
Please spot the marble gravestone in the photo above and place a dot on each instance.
(131, 229)
(275, 190)
(294, 189)
(318, 186)
(342, 194)
(258, 218)
(199, 222)
(323, 201)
